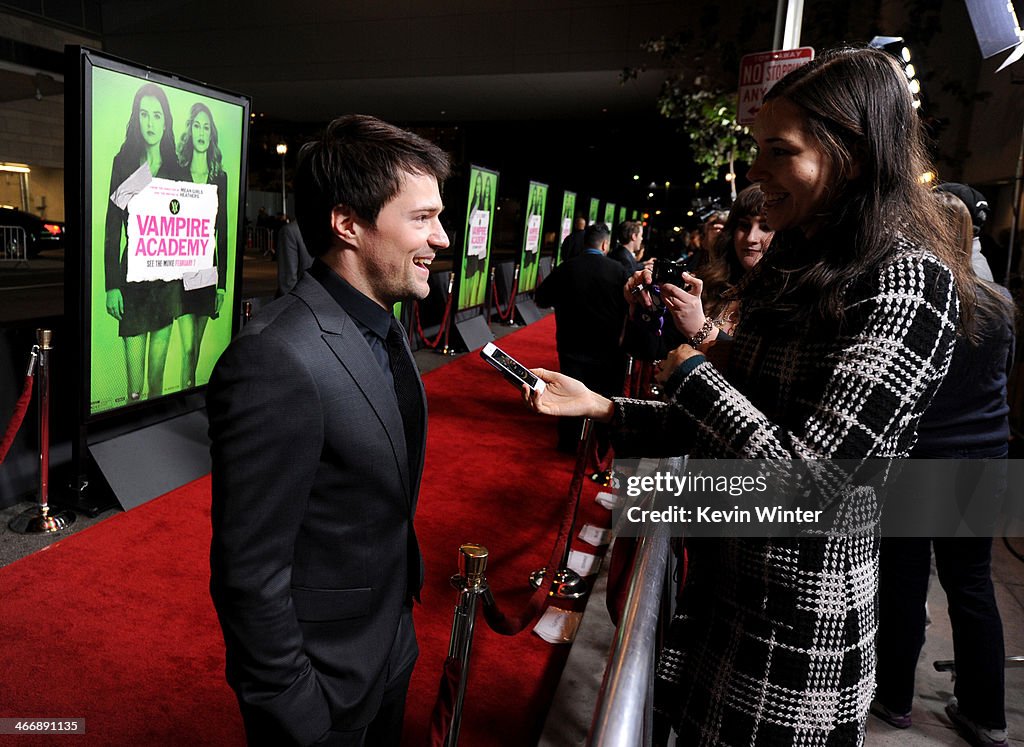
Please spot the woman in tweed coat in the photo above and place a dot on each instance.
(846, 329)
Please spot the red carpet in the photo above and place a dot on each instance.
(115, 625)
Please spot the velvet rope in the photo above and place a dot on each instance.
(444, 706)
(444, 323)
(507, 314)
(16, 420)
(504, 624)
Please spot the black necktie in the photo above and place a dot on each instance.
(407, 391)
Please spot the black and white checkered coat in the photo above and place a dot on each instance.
(774, 643)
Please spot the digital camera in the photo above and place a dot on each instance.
(670, 271)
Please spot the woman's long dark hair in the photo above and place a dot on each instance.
(478, 195)
(134, 147)
(859, 110)
(721, 270)
(186, 148)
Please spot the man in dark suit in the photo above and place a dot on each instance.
(293, 259)
(572, 246)
(318, 423)
(590, 311)
(629, 249)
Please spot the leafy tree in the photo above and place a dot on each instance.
(700, 89)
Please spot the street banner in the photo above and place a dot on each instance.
(529, 257)
(476, 246)
(609, 215)
(162, 192)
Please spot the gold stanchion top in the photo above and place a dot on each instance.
(472, 563)
(45, 338)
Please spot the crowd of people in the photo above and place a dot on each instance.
(835, 313)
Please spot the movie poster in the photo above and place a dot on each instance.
(595, 205)
(565, 227)
(529, 257)
(476, 248)
(161, 201)
(622, 214)
(609, 215)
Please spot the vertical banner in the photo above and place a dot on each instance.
(476, 246)
(595, 205)
(529, 257)
(622, 215)
(636, 215)
(163, 188)
(566, 225)
(609, 215)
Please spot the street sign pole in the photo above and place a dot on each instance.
(789, 18)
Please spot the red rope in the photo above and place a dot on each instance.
(441, 330)
(444, 706)
(19, 415)
(512, 625)
(507, 314)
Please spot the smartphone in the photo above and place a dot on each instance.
(510, 368)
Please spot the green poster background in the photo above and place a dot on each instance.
(565, 227)
(111, 108)
(473, 276)
(609, 215)
(622, 214)
(595, 205)
(636, 214)
(529, 261)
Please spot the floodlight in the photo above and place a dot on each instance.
(896, 46)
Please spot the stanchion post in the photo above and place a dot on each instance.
(471, 582)
(492, 292)
(448, 320)
(511, 320)
(38, 520)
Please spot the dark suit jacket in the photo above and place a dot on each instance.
(293, 259)
(313, 553)
(590, 309)
(624, 257)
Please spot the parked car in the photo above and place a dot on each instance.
(40, 234)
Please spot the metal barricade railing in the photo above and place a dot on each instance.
(260, 239)
(623, 715)
(13, 244)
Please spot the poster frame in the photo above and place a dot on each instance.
(82, 62)
(464, 248)
(528, 285)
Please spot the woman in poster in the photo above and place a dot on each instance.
(531, 255)
(467, 294)
(480, 286)
(144, 310)
(200, 157)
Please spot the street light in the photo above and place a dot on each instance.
(282, 150)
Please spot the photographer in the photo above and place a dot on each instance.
(853, 294)
(712, 294)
